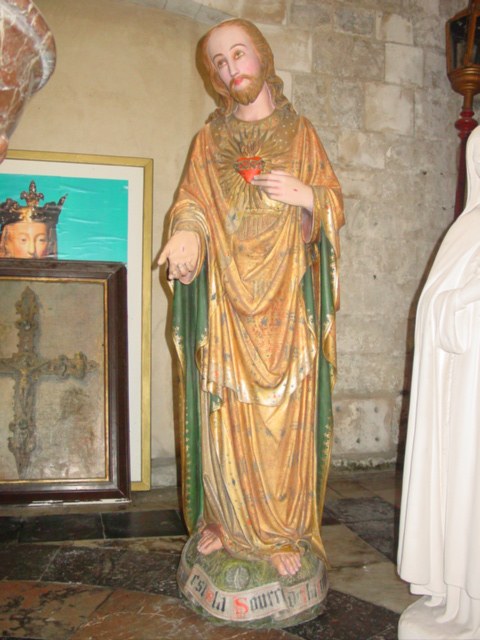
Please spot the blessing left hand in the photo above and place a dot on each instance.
(283, 187)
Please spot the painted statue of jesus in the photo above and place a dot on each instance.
(253, 251)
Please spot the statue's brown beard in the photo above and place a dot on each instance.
(248, 94)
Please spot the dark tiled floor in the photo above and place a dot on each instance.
(373, 519)
(96, 575)
(86, 526)
(349, 618)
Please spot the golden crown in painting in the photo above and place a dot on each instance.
(11, 211)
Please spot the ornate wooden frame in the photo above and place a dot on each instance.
(58, 292)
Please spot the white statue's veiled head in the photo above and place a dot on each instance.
(473, 171)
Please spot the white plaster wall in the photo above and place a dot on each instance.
(125, 84)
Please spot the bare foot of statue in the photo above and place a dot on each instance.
(210, 540)
(287, 563)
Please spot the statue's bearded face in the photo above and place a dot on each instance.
(237, 63)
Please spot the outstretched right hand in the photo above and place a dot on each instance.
(181, 252)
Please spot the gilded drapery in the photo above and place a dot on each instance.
(257, 385)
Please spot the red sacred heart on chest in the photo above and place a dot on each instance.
(248, 167)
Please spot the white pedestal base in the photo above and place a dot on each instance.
(432, 618)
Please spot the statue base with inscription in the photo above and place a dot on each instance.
(251, 593)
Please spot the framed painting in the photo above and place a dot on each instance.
(63, 381)
(106, 215)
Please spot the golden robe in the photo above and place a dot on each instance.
(251, 331)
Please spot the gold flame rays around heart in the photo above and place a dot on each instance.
(240, 139)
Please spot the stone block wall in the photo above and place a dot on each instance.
(371, 76)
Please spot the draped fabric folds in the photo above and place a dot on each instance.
(439, 552)
(255, 335)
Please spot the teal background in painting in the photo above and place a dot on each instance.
(93, 224)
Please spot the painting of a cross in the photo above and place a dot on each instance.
(64, 415)
(27, 366)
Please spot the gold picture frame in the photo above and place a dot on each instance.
(107, 211)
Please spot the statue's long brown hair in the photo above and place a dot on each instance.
(274, 82)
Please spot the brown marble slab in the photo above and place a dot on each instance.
(27, 52)
(47, 611)
(130, 616)
(76, 612)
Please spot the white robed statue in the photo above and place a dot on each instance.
(439, 537)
